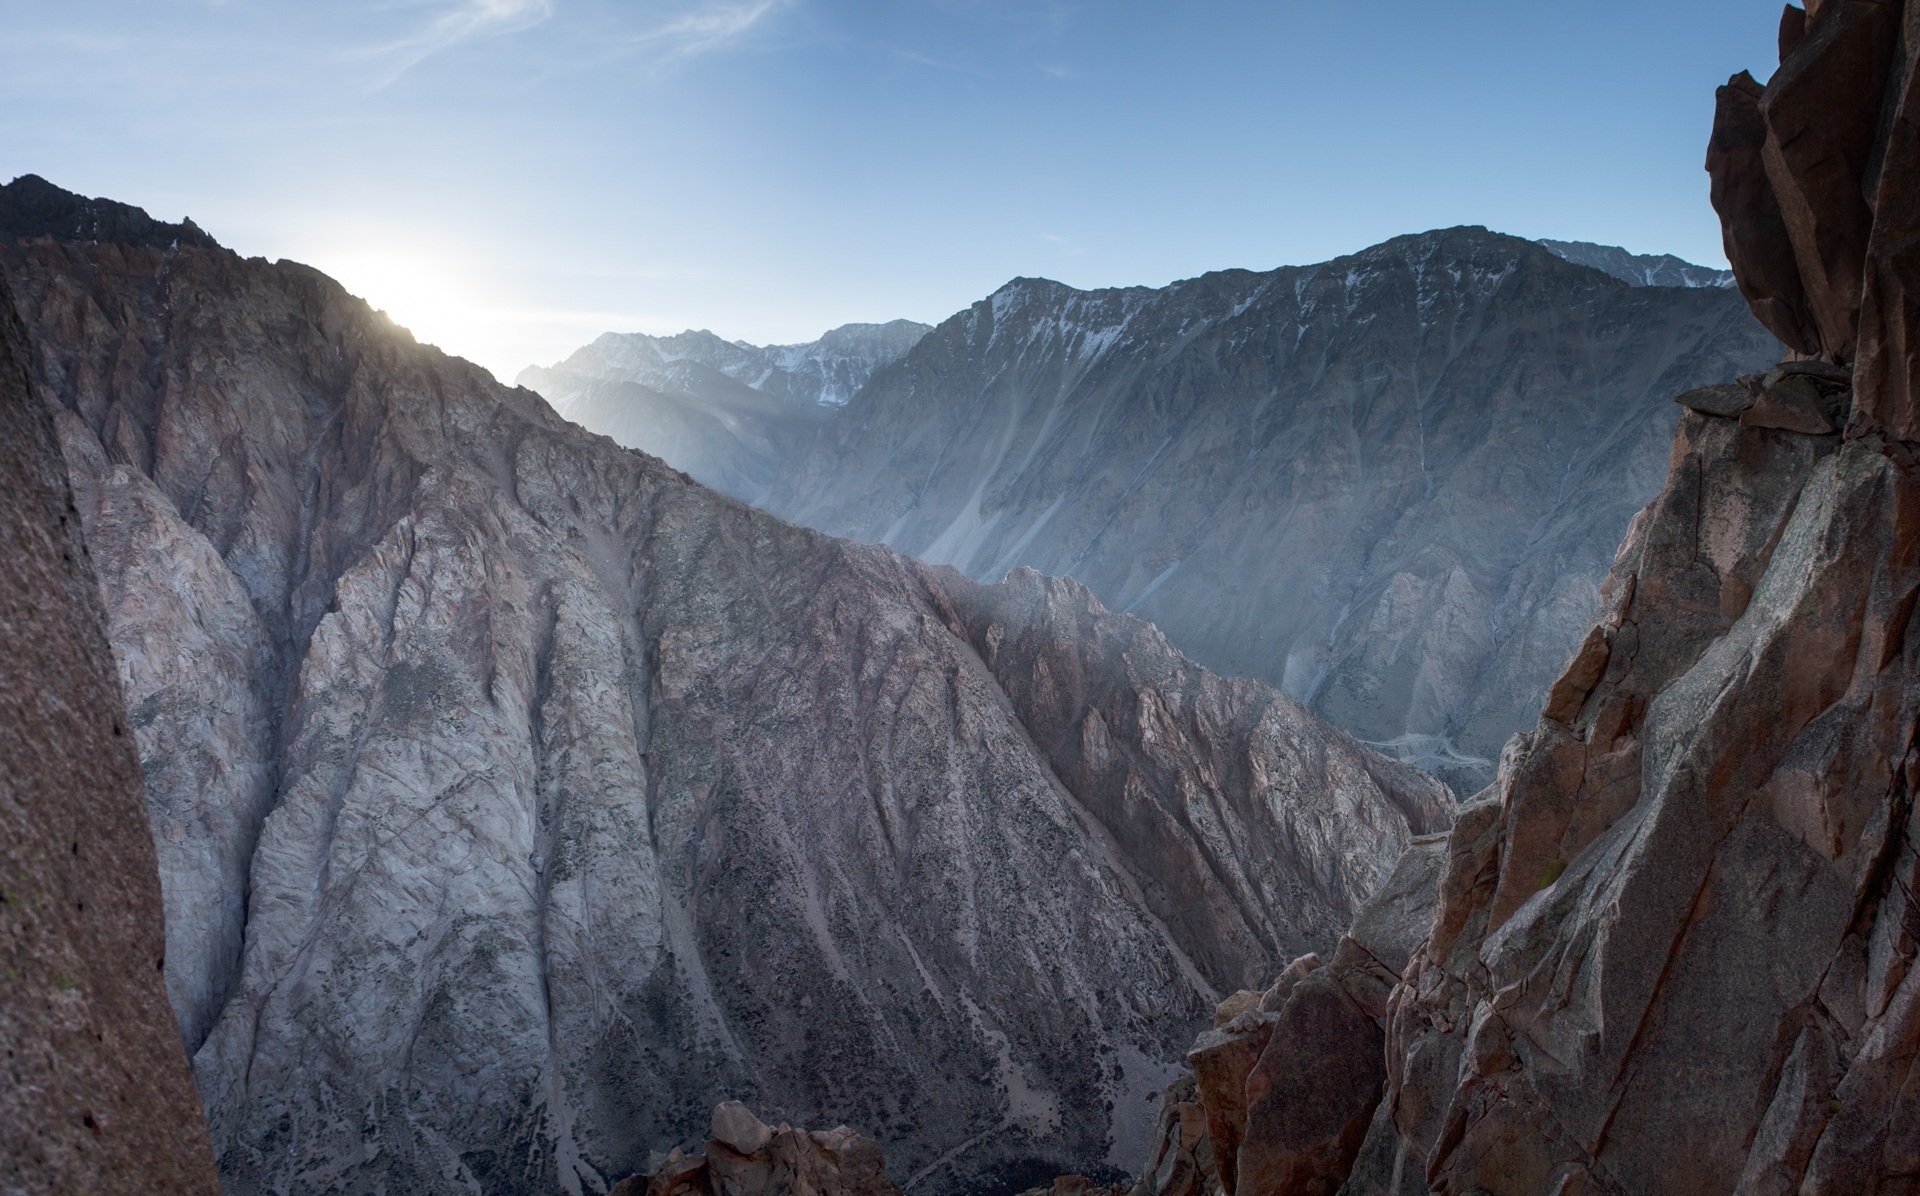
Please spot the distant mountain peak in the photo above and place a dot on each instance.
(30, 206)
(1639, 269)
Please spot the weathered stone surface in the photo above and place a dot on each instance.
(1723, 398)
(1752, 230)
(1792, 403)
(96, 1095)
(1312, 1097)
(1822, 109)
(1888, 364)
(1275, 998)
(1641, 976)
(1313, 1093)
(1397, 919)
(1387, 484)
(1246, 1000)
(736, 1128)
(592, 797)
(1221, 1061)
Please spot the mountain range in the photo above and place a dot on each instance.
(726, 412)
(1389, 484)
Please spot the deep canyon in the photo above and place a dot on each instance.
(514, 803)
(517, 799)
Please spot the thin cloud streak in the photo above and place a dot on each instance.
(708, 28)
(468, 20)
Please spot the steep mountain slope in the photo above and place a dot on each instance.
(1389, 484)
(726, 412)
(517, 800)
(97, 1095)
(1639, 269)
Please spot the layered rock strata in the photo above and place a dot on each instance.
(96, 1094)
(1389, 484)
(517, 799)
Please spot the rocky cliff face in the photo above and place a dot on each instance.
(517, 799)
(726, 412)
(97, 1095)
(1673, 948)
(1389, 485)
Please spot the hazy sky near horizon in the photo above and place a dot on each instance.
(510, 178)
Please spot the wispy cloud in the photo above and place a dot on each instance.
(460, 21)
(708, 27)
(919, 59)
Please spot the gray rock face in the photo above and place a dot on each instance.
(1389, 485)
(95, 1095)
(518, 800)
(726, 412)
(1639, 269)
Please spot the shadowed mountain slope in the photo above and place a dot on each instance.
(517, 799)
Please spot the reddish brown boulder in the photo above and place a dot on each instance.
(1821, 110)
(1793, 404)
(1751, 228)
(1312, 1095)
(1221, 1061)
(747, 1157)
(1888, 363)
(1727, 399)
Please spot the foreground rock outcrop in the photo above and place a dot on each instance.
(518, 799)
(1673, 947)
(96, 1094)
(1287, 1086)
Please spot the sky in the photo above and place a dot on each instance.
(511, 178)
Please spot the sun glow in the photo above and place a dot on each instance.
(446, 301)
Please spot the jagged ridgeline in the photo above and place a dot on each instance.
(518, 800)
(1389, 484)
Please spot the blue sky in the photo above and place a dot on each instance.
(512, 177)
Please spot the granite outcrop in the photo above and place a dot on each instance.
(517, 799)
